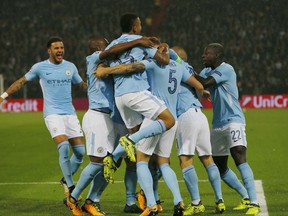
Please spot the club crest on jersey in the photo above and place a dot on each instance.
(68, 72)
(100, 150)
(54, 130)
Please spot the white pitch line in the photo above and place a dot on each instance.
(261, 198)
(53, 183)
(258, 185)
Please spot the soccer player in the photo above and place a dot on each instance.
(228, 124)
(97, 124)
(164, 82)
(56, 76)
(132, 97)
(193, 134)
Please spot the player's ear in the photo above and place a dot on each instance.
(134, 28)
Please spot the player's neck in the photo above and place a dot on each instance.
(217, 64)
(52, 61)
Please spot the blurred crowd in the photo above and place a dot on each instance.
(254, 34)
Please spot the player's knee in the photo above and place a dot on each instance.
(221, 165)
(79, 151)
(206, 160)
(238, 154)
(167, 118)
(64, 150)
(222, 169)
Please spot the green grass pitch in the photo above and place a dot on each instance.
(29, 170)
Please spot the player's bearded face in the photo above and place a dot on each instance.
(56, 52)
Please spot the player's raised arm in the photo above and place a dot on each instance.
(162, 54)
(103, 71)
(206, 82)
(18, 84)
(121, 47)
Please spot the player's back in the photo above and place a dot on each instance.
(135, 82)
(187, 97)
(100, 91)
(165, 81)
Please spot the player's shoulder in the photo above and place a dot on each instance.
(187, 65)
(205, 72)
(130, 36)
(94, 55)
(40, 64)
(66, 62)
(149, 62)
(225, 66)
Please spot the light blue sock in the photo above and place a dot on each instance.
(87, 175)
(215, 180)
(191, 181)
(118, 153)
(146, 182)
(152, 129)
(130, 180)
(170, 179)
(98, 185)
(64, 161)
(77, 158)
(155, 178)
(248, 179)
(230, 178)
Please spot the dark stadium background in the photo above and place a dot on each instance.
(253, 32)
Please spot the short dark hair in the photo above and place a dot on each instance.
(218, 48)
(126, 22)
(53, 39)
(97, 38)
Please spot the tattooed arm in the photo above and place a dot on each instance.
(18, 84)
(103, 71)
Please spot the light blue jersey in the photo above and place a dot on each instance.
(100, 91)
(55, 81)
(187, 97)
(165, 81)
(224, 95)
(136, 82)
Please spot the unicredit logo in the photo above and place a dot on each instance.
(246, 100)
(265, 101)
(20, 106)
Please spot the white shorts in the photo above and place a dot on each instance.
(68, 125)
(224, 138)
(193, 133)
(160, 145)
(99, 133)
(133, 106)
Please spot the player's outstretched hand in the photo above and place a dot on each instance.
(145, 42)
(155, 40)
(207, 95)
(100, 72)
